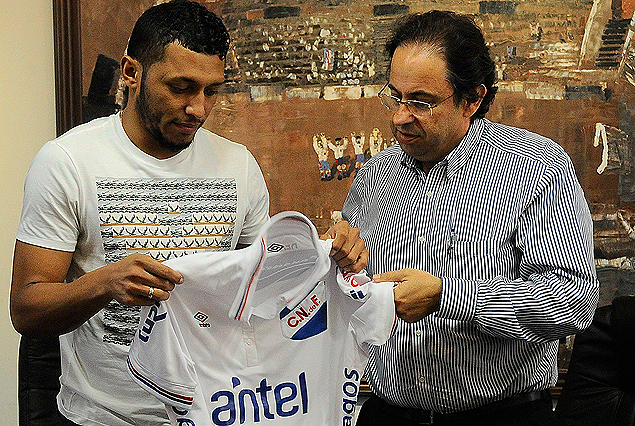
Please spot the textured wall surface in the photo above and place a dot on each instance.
(300, 71)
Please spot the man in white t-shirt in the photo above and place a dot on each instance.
(106, 202)
(273, 334)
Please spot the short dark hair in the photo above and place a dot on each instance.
(188, 23)
(461, 43)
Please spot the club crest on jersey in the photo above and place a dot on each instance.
(308, 318)
(152, 318)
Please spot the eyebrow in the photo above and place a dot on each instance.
(190, 80)
(418, 93)
(192, 83)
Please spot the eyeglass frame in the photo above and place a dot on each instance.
(407, 103)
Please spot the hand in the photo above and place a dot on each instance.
(44, 304)
(348, 249)
(417, 293)
(139, 280)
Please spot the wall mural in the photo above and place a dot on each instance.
(344, 165)
(303, 78)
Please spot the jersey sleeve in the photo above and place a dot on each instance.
(373, 322)
(158, 360)
(258, 199)
(50, 215)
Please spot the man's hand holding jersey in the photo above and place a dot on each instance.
(417, 293)
(348, 249)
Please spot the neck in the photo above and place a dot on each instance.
(141, 138)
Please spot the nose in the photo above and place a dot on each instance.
(197, 106)
(402, 115)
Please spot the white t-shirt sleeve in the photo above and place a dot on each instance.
(158, 359)
(258, 208)
(50, 214)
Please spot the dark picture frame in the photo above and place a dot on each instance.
(68, 64)
(89, 39)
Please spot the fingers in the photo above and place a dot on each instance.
(333, 230)
(347, 248)
(396, 276)
(140, 280)
(417, 293)
(410, 307)
(162, 272)
(352, 259)
(153, 294)
(344, 238)
(356, 265)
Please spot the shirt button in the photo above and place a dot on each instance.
(248, 342)
(418, 332)
(422, 239)
(422, 379)
(429, 194)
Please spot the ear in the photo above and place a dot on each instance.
(131, 71)
(471, 108)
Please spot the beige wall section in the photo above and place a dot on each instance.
(27, 120)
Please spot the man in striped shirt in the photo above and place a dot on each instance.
(487, 231)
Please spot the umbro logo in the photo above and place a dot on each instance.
(275, 247)
(201, 318)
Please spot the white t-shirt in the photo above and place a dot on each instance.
(94, 193)
(271, 334)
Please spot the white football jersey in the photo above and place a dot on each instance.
(272, 334)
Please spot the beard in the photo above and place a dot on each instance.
(151, 120)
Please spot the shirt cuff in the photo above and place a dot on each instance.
(458, 299)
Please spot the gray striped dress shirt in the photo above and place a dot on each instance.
(503, 221)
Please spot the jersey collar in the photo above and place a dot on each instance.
(289, 260)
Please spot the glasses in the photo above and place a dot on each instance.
(419, 109)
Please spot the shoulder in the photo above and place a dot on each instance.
(210, 144)
(387, 157)
(210, 139)
(380, 167)
(522, 144)
(88, 133)
(83, 140)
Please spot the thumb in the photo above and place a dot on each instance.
(394, 276)
(328, 234)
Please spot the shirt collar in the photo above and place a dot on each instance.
(287, 246)
(459, 156)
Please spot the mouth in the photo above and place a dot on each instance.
(187, 128)
(405, 137)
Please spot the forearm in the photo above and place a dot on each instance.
(42, 309)
(554, 291)
(43, 304)
(547, 306)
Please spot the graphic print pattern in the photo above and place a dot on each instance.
(164, 219)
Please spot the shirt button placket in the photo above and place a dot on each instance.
(426, 207)
(250, 347)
